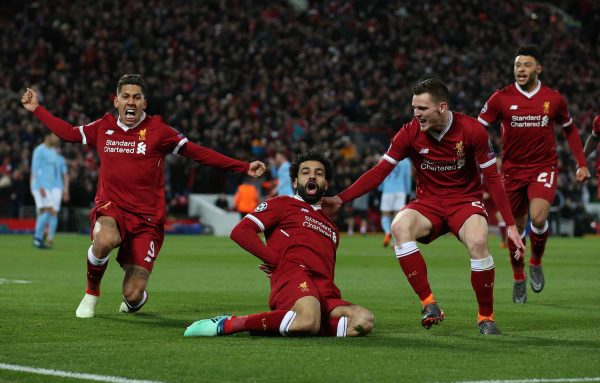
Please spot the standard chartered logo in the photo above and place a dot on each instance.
(141, 148)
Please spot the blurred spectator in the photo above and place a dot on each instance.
(248, 77)
(246, 197)
(222, 201)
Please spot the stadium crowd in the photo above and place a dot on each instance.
(247, 78)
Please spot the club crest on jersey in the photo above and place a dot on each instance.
(262, 206)
(142, 135)
(303, 286)
(546, 107)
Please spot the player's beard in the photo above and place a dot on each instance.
(311, 198)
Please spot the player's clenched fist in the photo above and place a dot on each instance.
(30, 100)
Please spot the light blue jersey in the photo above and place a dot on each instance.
(47, 168)
(399, 180)
(62, 170)
(284, 183)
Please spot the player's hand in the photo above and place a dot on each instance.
(267, 269)
(331, 205)
(43, 192)
(513, 234)
(582, 174)
(30, 100)
(257, 169)
(66, 196)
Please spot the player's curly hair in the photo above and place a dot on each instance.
(311, 156)
(530, 50)
(131, 79)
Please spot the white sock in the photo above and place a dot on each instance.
(286, 322)
(342, 327)
(93, 260)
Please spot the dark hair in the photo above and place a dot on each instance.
(436, 88)
(311, 156)
(530, 50)
(131, 79)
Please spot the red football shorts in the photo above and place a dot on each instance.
(291, 282)
(140, 240)
(446, 215)
(524, 185)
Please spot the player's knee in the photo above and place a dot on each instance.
(133, 294)
(538, 221)
(477, 246)
(104, 242)
(400, 228)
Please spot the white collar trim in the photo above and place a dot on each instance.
(125, 127)
(440, 135)
(529, 94)
(315, 207)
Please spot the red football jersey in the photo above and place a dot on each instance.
(527, 121)
(132, 171)
(447, 164)
(301, 233)
(132, 158)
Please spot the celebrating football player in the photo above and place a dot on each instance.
(299, 256)
(129, 210)
(528, 111)
(449, 151)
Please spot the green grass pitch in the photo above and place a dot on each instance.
(556, 335)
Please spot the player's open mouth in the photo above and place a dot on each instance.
(521, 77)
(129, 113)
(311, 187)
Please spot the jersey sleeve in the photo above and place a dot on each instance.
(563, 117)
(375, 176)
(483, 148)
(211, 157)
(245, 233)
(486, 159)
(85, 134)
(171, 139)
(267, 214)
(491, 110)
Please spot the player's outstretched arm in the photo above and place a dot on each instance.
(30, 100)
(513, 233)
(62, 129)
(256, 169)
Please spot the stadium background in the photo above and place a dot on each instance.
(249, 77)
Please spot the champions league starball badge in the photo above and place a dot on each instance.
(262, 206)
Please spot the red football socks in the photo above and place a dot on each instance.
(538, 245)
(483, 285)
(262, 322)
(94, 277)
(414, 267)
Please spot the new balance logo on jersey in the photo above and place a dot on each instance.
(514, 107)
(304, 210)
(141, 148)
(424, 151)
(109, 132)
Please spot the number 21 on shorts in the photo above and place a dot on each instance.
(546, 178)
